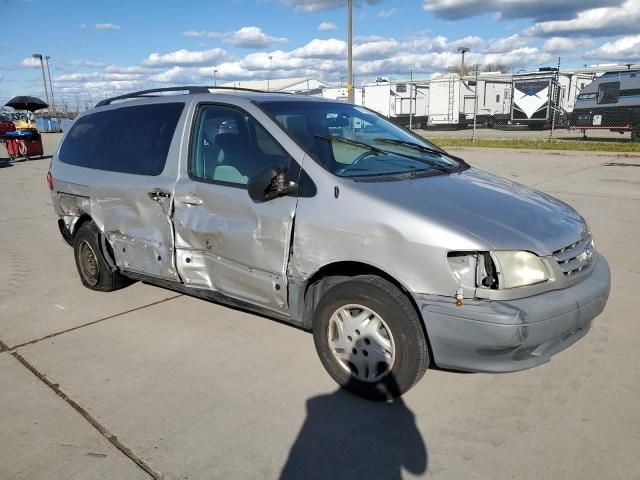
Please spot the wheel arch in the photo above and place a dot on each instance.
(331, 274)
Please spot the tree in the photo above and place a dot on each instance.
(468, 70)
(496, 67)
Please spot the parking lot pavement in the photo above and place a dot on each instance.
(190, 389)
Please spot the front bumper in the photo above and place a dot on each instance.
(506, 336)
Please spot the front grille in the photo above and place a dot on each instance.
(574, 258)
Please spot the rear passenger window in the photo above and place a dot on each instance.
(230, 147)
(132, 139)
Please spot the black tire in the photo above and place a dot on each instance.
(93, 269)
(397, 311)
(635, 134)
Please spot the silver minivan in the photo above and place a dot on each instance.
(396, 254)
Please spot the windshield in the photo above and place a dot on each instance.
(352, 141)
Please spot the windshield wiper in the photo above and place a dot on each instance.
(377, 150)
(348, 141)
(421, 148)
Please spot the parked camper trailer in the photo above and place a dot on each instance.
(611, 102)
(453, 102)
(398, 100)
(341, 94)
(538, 96)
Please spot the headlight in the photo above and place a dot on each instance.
(497, 270)
(518, 269)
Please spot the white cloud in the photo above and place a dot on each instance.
(253, 37)
(387, 13)
(88, 63)
(30, 62)
(107, 26)
(602, 21)
(326, 26)
(564, 44)
(623, 49)
(318, 5)
(318, 48)
(537, 9)
(245, 37)
(173, 75)
(185, 57)
(505, 44)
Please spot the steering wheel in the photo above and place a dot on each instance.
(363, 156)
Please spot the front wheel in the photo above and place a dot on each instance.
(369, 338)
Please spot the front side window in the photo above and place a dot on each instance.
(351, 141)
(133, 139)
(230, 147)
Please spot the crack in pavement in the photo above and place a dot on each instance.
(564, 175)
(3, 347)
(89, 418)
(52, 335)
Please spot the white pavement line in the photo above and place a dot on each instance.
(87, 416)
(31, 342)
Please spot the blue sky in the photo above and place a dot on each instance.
(100, 48)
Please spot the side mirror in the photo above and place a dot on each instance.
(270, 183)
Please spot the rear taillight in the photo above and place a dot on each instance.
(50, 180)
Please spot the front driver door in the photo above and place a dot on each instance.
(225, 241)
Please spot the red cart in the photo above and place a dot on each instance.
(23, 143)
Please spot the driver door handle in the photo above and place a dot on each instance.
(189, 200)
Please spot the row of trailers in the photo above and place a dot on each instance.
(496, 100)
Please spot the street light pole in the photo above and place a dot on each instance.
(53, 102)
(44, 80)
(270, 73)
(350, 53)
(462, 50)
(215, 81)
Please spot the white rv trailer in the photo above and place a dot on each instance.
(452, 99)
(341, 94)
(397, 100)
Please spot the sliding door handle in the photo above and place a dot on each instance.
(189, 200)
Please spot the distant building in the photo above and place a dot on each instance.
(303, 85)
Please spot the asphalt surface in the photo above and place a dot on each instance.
(147, 383)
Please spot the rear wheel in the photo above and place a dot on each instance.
(369, 338)
(95, 273)
(635, 134)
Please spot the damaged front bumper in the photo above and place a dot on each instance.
(506, 336)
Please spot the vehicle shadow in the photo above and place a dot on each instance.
(5, 162)
(344, 436)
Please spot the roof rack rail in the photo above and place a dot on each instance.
(190, 89)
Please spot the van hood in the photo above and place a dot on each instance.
(504, 214)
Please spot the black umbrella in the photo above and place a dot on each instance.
(24, 102)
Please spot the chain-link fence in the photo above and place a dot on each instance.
(590, 104)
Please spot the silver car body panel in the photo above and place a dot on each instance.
(210, 237)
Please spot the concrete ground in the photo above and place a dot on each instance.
(145, 382)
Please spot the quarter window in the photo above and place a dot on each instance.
(230, 147)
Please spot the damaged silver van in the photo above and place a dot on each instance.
(396, 254)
